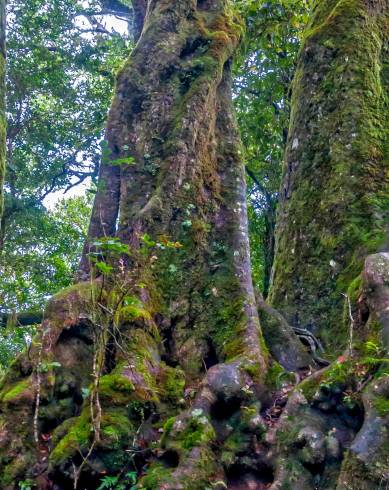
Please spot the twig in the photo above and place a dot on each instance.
(38, 391)
(351, 328)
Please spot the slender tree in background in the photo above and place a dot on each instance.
(262, 101)
(2, 105)
(152, 373)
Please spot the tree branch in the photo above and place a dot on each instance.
(22, 319)
(261, 188)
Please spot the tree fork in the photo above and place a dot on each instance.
(172, 172)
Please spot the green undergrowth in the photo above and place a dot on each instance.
(350, 373)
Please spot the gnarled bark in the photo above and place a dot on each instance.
(173, 150)
(158, 364)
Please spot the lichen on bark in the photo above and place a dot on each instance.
(186, 393)
(172, 171)
(334, 197)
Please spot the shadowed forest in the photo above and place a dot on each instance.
(194, 245)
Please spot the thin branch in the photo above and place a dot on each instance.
(352, 323)
(260, 187)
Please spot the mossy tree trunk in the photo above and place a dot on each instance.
(177, 173)
(155, 364)
(334, 197)
(102, 378)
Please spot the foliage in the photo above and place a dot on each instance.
(26, 485)
(60, 77)
(262, 83)
(117, 483)
(43, 254)
(13, 340)
(61, 64)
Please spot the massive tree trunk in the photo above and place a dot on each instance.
(333, 212)
(173, 176)
(334, 198)
(155, 363)
(2, 106)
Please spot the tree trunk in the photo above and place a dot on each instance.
(155, 365)
(334, 197)
(2, 105)
(180, 313)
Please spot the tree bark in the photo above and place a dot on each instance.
(334, 201)
(173, 173)
(156, 364)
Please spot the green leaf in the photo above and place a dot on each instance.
(104, 268)
(85, 393)
(108, 482)
(132, 476)
(148, 242)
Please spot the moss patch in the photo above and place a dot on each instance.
(20, 390)
(335, 179)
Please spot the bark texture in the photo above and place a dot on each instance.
(157, 365)
(172, 172)
(334, 198)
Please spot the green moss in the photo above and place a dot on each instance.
(354, 470)
(83, 290)
(13, 393)
(168, 426)
(77, 439)
(143, 348)
(354, 290)
(156, 474)
(198, 432)
(310, 386)
(115, 389)
(76, 434)
(236, 442)
(274, 375)
(340, 373)
(173, 384)
(130, 313)
(183, 435)
(381, 404)
(200, 476)
(253, 369)
(16, 470)
(333, 214)
(116, 429)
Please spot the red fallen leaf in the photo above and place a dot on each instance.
(341, 359)
(142, 443)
